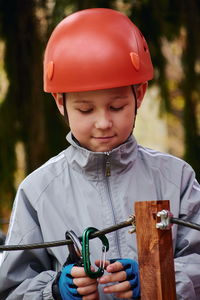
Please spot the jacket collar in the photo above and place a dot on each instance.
(95, 164)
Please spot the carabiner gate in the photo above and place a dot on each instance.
(86, 253)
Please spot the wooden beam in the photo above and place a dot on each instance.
(155, 252)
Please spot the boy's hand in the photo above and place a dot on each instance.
(75, 284)
(124, 274)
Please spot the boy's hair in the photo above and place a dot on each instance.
(94, 49)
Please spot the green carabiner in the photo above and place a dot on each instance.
(86, 252)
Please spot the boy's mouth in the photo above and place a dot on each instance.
(104, 138)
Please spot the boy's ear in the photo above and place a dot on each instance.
(140, 92)
(58, 97)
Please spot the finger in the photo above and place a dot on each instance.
(118, 276)
(93, 296)
(125, 295)
(84, 281)
(118, 288)
(99, 263)
(114, 267)
(77, 272)
(89, 289)
(80, 272)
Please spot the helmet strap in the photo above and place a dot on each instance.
(64, 98)
(135, 97)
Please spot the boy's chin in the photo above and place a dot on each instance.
(103, 148)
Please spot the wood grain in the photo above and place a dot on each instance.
(155, 252)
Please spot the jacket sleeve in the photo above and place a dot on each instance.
(28, 274)
(187, 252)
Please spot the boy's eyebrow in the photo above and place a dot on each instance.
(82, 101)
(119, 97)
(88, 101)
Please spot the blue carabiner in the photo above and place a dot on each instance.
(86, 252)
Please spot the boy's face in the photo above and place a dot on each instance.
(101, 120)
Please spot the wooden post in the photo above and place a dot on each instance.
(155, 252)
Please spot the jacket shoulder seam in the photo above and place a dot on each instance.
(156, 153)
(50, 182)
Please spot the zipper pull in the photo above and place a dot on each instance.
(108, 165)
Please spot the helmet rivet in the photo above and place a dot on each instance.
(50, 69)
(135, 60)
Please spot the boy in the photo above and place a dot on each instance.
(97, 65)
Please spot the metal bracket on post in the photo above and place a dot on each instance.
(133, 225)
(164, 223)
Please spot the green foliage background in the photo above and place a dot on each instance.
(29, 115)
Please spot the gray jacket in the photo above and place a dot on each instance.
(71, 191)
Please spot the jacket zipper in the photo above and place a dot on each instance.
(108, 167)
(108, 174)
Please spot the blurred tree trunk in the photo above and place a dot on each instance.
(23, 114)
(191, 83)
(23, 106)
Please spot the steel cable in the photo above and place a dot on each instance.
(185, 223)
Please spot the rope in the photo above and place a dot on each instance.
(128, 222)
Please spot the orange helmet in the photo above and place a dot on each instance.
(93, 49)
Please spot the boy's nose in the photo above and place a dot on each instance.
(103, 122)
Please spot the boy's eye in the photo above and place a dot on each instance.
(116, 108)
(85, 111)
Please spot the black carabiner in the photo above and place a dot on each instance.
(75, 249)
(86, 252)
